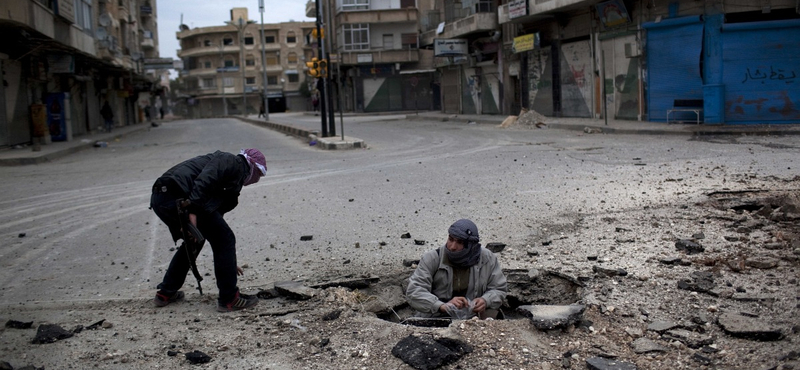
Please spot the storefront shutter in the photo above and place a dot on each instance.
(674, 52)
(762, 72)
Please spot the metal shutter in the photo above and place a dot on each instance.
(674, 51)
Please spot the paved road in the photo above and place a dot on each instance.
(88, 233)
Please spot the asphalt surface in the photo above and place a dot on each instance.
(78, 228)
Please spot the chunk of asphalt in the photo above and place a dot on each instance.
(748, 327)
(426, 353)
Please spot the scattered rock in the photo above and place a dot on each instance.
(549, 317)
(774, 246)
(762, 263)
(409, 263)
(419, 242)
(699, 281)
(306, 237)
(495, 247)
(702, 358)
(405, 236)
(50, 333)
(674, 261)
(741, 326)
(295, 290)
(698, 236)
(426, 353)
(267, 294)
(609, 272)
(197, 357)
(600, 363)
(689, 338)
(644, 345)
(21, 235)
(13, 324)
(661, 326)
(688, 246)
(333, 315)
(592, 130)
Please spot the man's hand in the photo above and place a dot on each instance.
(480, 305)
(239, 271)
(457, 302)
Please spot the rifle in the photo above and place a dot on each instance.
(193, 240)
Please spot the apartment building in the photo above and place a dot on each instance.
(223, 70)
(61, 60)
(376, 56)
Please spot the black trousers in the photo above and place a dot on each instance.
(218, 234)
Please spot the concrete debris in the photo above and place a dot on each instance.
(495, 247)
(741, 326)
(600, 363)
(50, 333)
(689, 246)
(426, 353)
(644, 345)
(549, 317)
(295, 290)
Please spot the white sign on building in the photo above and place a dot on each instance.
(447, 47)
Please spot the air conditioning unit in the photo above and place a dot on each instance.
(632, 50)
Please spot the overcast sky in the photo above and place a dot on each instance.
(205, 13)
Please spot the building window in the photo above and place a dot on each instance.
(227, 81)
(227, 41)
(206, 42)
(248, 40)
(272, 60)
(388, 42)
(294, 77)
(355, 5)
(409, 41)
(250, 61)
(207, 83)
(408, 4)
(250, 80)
(356, 36)
(269, 39)
(272, 80)
(228, 63)
(291, 38)
(83, 14)
(292, 58)
(206, 64)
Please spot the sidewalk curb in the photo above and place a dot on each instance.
(327, 143)
(49, 157)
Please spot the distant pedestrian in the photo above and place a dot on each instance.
(161, 110)
(262, 111)
(147, 112)
(108, 116)
(315, 101)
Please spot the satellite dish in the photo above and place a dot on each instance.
(101, 33)
(104, 20)
(184, 27)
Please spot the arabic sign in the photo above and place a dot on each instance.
(612, 13)
(61, 63)
(525, 43)
(517, 8)
(158, 63)
(774, 74)
(446, 47)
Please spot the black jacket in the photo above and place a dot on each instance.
(211, 182)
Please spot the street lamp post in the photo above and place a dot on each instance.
(264, 99)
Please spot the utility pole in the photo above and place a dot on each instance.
(327, 130)
(264, 99)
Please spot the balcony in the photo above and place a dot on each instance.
(379, 56)
(378, 16)
(460, 27)
(148, 44)
(311, 9)
(540, 9)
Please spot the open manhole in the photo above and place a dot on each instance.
(525, 287)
